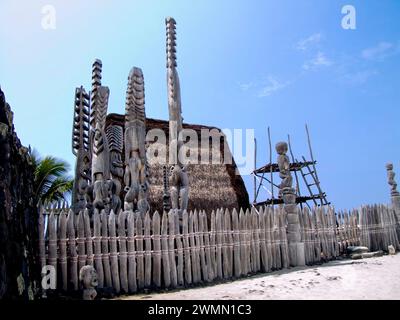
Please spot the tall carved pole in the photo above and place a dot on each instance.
(115, 138)
(81, 149)
(395, 195)
(166, 195)
(97, 68)
(100, 156)
(288, 194)
(179, 181)
(135, 177)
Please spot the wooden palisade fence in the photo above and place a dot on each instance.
(131, 253)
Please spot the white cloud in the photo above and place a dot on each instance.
(304, 44)
(273, 85)
(320, 60)
(380, 51)
(358, 78)
(246, 86)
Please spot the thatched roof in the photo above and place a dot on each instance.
(212, 186)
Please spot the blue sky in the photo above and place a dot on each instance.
(242, 64)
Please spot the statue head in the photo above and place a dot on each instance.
(389, 166)
(88, 277)
(281, 148)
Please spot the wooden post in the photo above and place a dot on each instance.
(156, 250)
(114, 253)
(248, 241)
(204, 269)
(98, 264)
(42, 245)
(171, 249)
(277, 237)
(242, 237)
(284, 241)
(164, 250)
(236, 244)
(132, 252)
(256, 239)
(268, 238)
(63, 249)
(213, 248)
(209, 263)
(123, 254)
(197, 246)
(219, 239)
(81, 241)
(186, 248)
(250, 227)
(105, 249)
(53, 240)
(229, 235)
(178, 241)
(72, 250)
(225, 258)
(89, 241)
(139, 251)
(147, 254)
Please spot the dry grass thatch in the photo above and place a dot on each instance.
(212, 186)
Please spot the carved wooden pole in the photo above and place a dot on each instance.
(179, 181)
(100, 156)
(135, 177)
(96, 83)
(395, 195)
(115, 138)
(81, 149)
(288, 194)
(166, 196)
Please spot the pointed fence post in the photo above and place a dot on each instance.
(178, 241)
(63, 249)
(139, 251)
(98, 264)
(147, 243)
(186, 248)
(52, 226)
(81, 241)
(204, 269)
(156, 250)
(171, 249)
(123, 255)
(218, 227)
(237, 269)
(73, 257)
(105, 250)
(114, 253)
(132, 252)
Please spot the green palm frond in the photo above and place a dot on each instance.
(52, 182)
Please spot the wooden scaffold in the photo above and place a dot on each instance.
(307, 169)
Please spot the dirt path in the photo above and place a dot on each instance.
(375, 278)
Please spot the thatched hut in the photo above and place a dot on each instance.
(212, 186)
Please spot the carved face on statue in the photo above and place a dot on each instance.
(281, 148)
(389, 166)
(88, 277)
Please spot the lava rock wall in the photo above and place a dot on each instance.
(19, 273)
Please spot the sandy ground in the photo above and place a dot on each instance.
(374, 278)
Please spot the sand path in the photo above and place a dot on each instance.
(375, 278)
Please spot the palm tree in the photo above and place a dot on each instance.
(52, 182)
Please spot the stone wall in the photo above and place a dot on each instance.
(18, 217)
